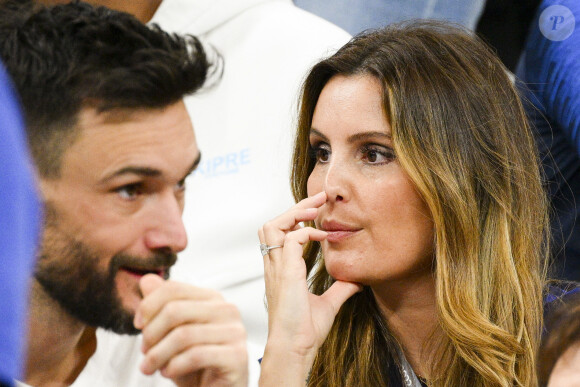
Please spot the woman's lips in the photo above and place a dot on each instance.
(338, 231)
(337, 236)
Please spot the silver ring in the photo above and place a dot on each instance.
(265, 249)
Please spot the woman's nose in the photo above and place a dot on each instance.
(336, 181)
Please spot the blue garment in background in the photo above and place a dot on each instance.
(355, 16)
(19, 231)
(550, 70)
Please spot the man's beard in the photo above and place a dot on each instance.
(69, 272)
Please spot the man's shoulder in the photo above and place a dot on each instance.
(115, 363)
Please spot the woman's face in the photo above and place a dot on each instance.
(379, 228)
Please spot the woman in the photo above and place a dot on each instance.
(418, 180)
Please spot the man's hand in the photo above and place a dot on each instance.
(191, 335)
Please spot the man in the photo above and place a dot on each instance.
(113, 145)
(245, 127)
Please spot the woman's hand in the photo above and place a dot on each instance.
(298, 321)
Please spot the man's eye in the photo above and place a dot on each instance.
(130, 191)
(180, 186)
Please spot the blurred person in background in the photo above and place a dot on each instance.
(358, 15)
(504, 24)
(548, 71)
(20, 219)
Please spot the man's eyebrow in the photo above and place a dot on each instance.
(133, 170)
(355, 137)
(194, 165)
(147, 171)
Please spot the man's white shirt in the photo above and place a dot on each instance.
(115, 363)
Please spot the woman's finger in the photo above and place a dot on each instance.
(338, 293)
(312, 201)
(303, 211)
(288, 220)
(272, 233)
(295, 240)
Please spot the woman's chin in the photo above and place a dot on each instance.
(342, 272)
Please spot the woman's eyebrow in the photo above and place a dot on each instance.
(366, 135)
(355, 137)
(318, 133)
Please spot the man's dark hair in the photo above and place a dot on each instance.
(71, 56)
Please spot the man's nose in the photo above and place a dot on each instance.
(167, 230)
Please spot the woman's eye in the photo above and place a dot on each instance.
(378, 154)
(320, 153)
(130, 191)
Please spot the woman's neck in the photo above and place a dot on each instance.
(410, 311)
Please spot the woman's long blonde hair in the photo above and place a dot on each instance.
(460, 133)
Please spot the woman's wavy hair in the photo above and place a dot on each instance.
(460, 133)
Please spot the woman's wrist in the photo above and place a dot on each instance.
(283, 365)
